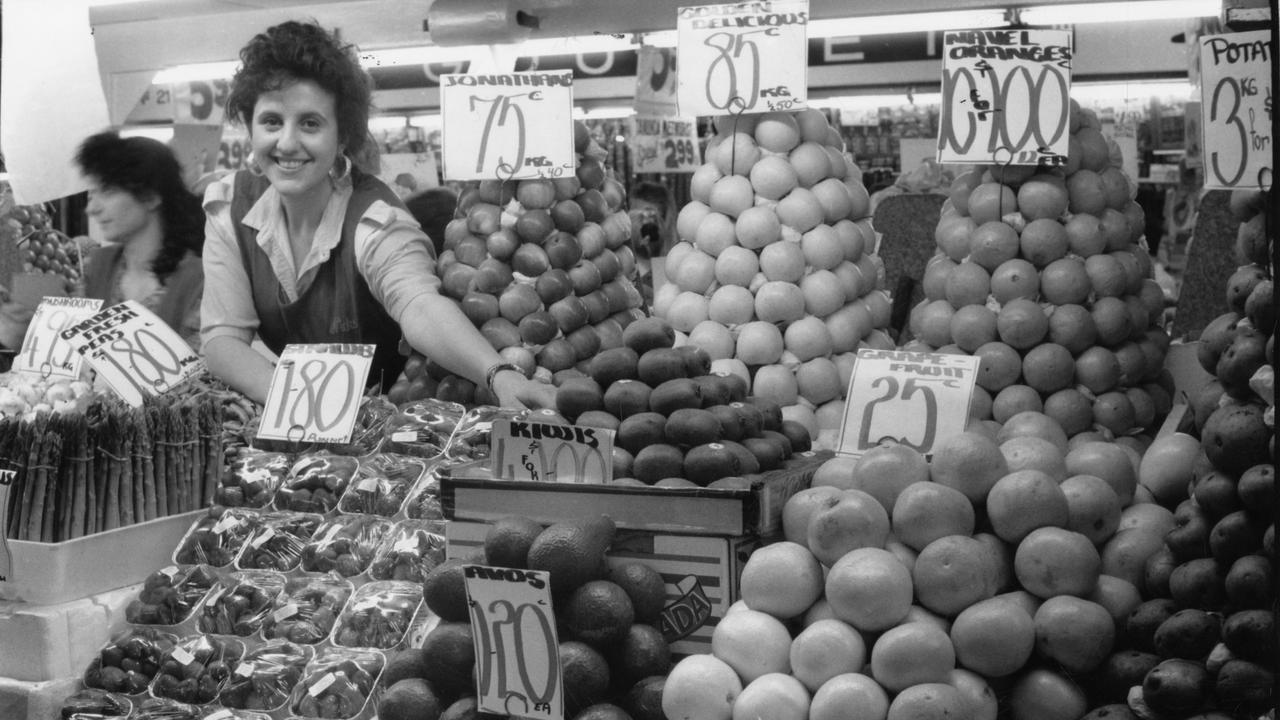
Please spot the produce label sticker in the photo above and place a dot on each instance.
(44, 351)
(912, 398)
(746, 57)
(6, 558)
(136, 353)
(1236, 96)
(517, 651)
(315, 393)
(550, 452)
(665, 145)
(507, 126)
(1006, 97)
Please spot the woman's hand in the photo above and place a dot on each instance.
(515, 391)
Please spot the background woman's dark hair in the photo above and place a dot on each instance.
(293, 51)
(147, 168)
(433, 209)
(655, 193)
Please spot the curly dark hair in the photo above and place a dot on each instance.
(147, 168)
(293, 51)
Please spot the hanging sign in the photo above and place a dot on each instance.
(551, 452)
(656, 81)
(315, 393)
(136, 353)
(1236, 95)
(1006, 97)
(508, 126)
(44, 351)
(912, 398)
(201, 102)
(517, 650)
(664, 145)
(747, 57)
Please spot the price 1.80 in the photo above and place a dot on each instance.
(302, 405)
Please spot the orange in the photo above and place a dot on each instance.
(731, 195)
(1048, 367)
(714, 233)
(1133, 270)
(1144, 408)
(1064, 282)
(1033, 423)
(968, 283)
(783, 261)
(993, 637)
(1108, 462)
(919, 613)
(757, 227)
(782, 579)
(855, 520)
(1115, 229)
(973, 326)
(1013, 400)
(1046, 695)
(1076, 633)
(1094, 507)
(1021, 324)
(1031, 452)
(777, 132)
(869, 589)
(929, 701)
(696, 271)
(1071, 409)
(1025, 500)
(1056, 561)
(851, 237)
(810, 162)
(776, 695)
(759, 343)
(931, 322)
(835, 197)
(852, 282)
(936, 273)
(688, 219)
(952, 236)
(1117, 186)
(951, 573)
(886, 470)
(999, 366)
(776, 383)
(926, 511)
(981, 699)
(1043, 241)
(1111, 319)
(736, 155)
(968, 462)
(813, 124)
(1084, 235)
(961, 187)
(1015, 278)
(912, 654)
(1115, 412)
(992, 243)
(822, 248)
(779, 301)
(1106, 274)
(729, 305)
(1086, 192)
(991, 201)
(736, 265)
(773, 177)
(700, 687)
(1117, 595)
(824, 293)
(686, 311)
(1125, 554)
(753, 643)
(847, 326)
(849, 696)
(807, 338)
(1071, 326)
(1042, 197)
(1094, 153)
(800, 210)
(702, 180)
(1097, 369)
(825, 649)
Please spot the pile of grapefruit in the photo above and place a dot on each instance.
(774, 274)
(1041, 273)
(544, 270)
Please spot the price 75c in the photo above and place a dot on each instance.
(504, 108)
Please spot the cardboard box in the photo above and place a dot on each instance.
(59, 641)
(701, 573)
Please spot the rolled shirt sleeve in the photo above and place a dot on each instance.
(395, 257)
(227, 306)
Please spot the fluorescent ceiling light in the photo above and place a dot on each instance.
(908, 22)
(196, 71)
(388, 122)
(1076, 14)
(1136, 91)
(161, 134)
(604, 112)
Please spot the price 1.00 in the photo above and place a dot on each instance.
(1045, 95)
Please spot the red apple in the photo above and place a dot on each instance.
(497, 191)
(456, 389)
(502, 244)
(581, 137)
(533, 226)
(617, 230)
(566, 187)
(614, 194)
(557, 355)
(500, 332)
(538, 327)
(455, 232)
(616, 293)
(610, 333)
(570, 313)
(534, 194)
(608, 265)
(553, 285)
(593, 205)
(517, 301)
(530, 260)
(563, 250)
(626, 261)
(479, 307)
(568, 216)
(446, 259)
(493, 276)
(521, 357)
(456, 280)
(471, 251)
(415, 366)
(483, 218)
(590, 173)
(466, 201)
(585, 276)
(597, 306)
(591, 238)
(586, 341)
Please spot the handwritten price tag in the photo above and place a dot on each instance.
(546, 452)
(44, 351)
(517, 655)
(664, 145)
(315, 393)
(1236, 97)
(134, 351)
(908, 397)
(510, 126)
(742, 57)
(1006, 94)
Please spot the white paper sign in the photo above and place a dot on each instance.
(656, 81)
(750, 57)
(550, 452)
(517, 650)
(665, 145)
(1236, 97)
(133, 351)
(44, 352)
(507, 126)
(315, 393)
(912, 398)
(1006, 97)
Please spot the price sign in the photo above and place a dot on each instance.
(201, 102)
(44, 351)
(911, 398)
(507, 126)
(134, 351)
(1006, 96)
(549, 452)
(6, 559)
(315, 393)
(517, 651)
(1236, 97)
(742, 57)
(664, 145)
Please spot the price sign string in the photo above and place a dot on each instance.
(736, 106)
(995, 160)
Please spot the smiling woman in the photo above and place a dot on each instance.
(305, 247)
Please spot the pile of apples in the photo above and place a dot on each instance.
(775, 272)
(543, 268)
(1040, 271)
(43, 248)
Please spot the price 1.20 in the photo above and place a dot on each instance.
(518, 669)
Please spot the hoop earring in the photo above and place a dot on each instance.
(254, 168)
(346, 169)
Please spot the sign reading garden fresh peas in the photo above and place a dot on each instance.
(1236, 97)
(315, 393)
(508, 126)
(750, 57)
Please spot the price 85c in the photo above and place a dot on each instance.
(315, 393)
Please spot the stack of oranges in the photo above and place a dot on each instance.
(774, 274)
(1041, 272)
